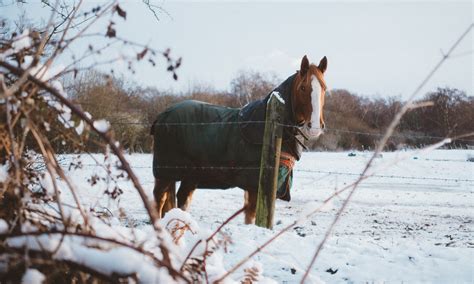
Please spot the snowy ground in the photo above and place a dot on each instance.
(413, 222)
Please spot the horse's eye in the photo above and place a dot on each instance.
(303, 88)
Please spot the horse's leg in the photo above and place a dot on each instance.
(185, 194)
(161, 193)
(250, 206)
(170, 201)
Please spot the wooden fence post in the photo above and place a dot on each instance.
(269, 162)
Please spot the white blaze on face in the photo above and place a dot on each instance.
(316, 102)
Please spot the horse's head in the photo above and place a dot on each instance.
(308, 93)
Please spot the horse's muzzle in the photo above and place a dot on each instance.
(310, 133)
(315, 133)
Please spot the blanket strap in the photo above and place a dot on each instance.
(287, 160)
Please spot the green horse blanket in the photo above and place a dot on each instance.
(216, 146)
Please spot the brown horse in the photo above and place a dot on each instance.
(207, 146)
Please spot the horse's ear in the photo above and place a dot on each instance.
(304, 65)
(323, 64)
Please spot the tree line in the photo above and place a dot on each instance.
(353, 121)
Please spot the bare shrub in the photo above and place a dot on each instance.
(38, 230)
(249, 86)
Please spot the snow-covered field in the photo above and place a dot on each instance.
(412, 222)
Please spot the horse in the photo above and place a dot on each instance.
(209, 146)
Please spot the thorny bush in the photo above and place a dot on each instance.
(41, 236)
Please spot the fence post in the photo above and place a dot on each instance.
(269, 162)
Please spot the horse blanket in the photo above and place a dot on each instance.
(216, 146)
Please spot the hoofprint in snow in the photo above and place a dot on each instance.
(396, 228)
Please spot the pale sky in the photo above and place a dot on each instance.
(382, 48)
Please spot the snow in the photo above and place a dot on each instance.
(32, 276)
(277, 95)
(40, 71)
(80, 127)
(65, 113)
(47, 185)
(22, 41)
(119, 260)
(102, 125)
(180, 224)
(45, 72)
(47, 126)
(19, 43)
(59, 88)
(3, 226)
(412, 222)
(186, 232)
(3, 172)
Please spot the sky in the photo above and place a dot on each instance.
(382, 48)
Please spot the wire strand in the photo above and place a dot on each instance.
(297, 171)
(284, 125)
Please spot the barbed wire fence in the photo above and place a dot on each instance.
(297, 170)
(178, 124)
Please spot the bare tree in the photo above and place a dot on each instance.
(251, 85)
